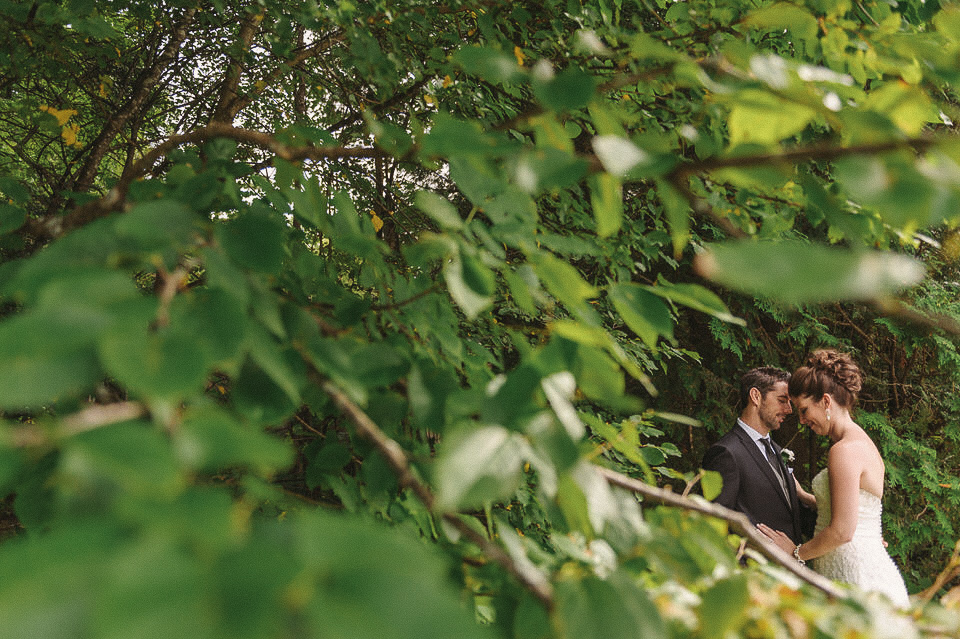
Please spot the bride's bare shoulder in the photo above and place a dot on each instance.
(856, 447)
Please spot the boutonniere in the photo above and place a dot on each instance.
(787, 456)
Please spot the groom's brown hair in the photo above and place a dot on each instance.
(763, 378)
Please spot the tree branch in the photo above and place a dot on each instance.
(241, 102)
(400, 463)
(145, 85)
(225, 109)
(799, 154)
(53, 226)
(737, 520)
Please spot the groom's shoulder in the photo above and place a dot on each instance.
(730, 438)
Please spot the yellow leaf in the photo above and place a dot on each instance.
(61, 116)
(69, 134)
(103, 90)
(447, 81)
(377, 222)
(428, 99)
(518, 53)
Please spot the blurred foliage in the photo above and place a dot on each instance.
(318, 318)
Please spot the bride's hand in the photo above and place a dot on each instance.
(777, 537)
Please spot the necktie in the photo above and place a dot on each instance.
(774, 462)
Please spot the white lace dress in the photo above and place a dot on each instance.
(863, 561)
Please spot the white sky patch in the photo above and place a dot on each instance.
(543, 71)
(832, 101)
(772, 69)
(589, 40)
(689, 132)
(811, 73)
(526, 177)
(618, 155)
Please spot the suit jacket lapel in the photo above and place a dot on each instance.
(764, 465)
(794, 502)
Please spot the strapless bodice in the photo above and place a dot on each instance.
(863, 561)
(868, 516)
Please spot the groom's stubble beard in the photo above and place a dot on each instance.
(769, 416)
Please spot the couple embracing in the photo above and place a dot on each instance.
(847, 543)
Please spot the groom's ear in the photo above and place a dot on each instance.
(756, 396)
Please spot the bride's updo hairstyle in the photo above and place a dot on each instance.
(828, 371)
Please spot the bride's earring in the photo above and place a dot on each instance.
(828, 414)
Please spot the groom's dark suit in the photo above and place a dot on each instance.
(750, 486)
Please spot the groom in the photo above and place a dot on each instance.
(755, 480)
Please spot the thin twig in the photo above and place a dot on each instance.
(87, 419)
(410, 300)
(949, 572)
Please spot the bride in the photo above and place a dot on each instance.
(848, 543)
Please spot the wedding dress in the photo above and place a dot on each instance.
(863, 561)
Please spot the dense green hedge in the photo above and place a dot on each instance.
(341, 319)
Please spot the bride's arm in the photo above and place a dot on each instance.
(807, 498)
(844, 469)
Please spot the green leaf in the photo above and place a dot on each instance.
(947, 21)
(785, 15)
(598, 375)
(607, 200)
(520, 291)
(712, 484)
(95, 27)
(643, 312)
(153, 590)
(254, 239)
(47, 356)
(470, 283)
(696, 297)
(477, 466)
(328, 459)
(908, 107)
(785, 271)
(452, 137)
(134, 456)
(14, 190)
(160, 362)
(268, 355)
(581, 333)
(531, 621)
(899, 193)
(613, 608)
(440, 209)
(569, 90)
(573, 504)
(488, 63)
(209, 439)
(258, 398)
(724, 606)
(562, 280)
(157, 225)
(216, 320)
(11, 218)
(677, 210)
(362, 579)
(758, 117)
